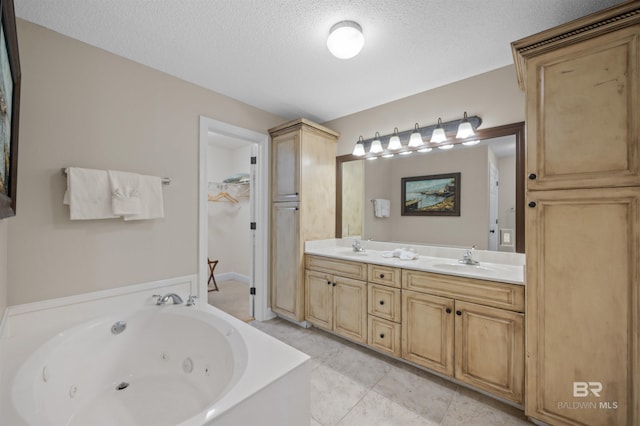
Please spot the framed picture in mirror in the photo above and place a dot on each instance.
(433, 195)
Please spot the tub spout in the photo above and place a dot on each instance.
(164, 299)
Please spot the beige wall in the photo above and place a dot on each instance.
(494, 96)
(4, 232)
(82, 106)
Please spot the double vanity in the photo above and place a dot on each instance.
(457, 312)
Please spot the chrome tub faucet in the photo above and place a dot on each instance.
(164, 299)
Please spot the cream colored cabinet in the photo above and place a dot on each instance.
(482, 345)
(385, 307)
(582, 84)
(303, 206)
(333, 302)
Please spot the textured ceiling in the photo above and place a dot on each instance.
(272, 53)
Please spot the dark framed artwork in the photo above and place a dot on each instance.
(9, 109)
(433, 195)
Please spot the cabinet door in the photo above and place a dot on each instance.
(350, 308)
(319, 299)
(583, 126)
(286, 262)
(286, 167)
(490, 349)
(427, 331)
(582, 311)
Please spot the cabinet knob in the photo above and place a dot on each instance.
(532, 176)
(532, 204)
(334, 284)
(381, 275)
(448, 310)
(382, 302)
(458, 312)
(382, 335)
(329, 282)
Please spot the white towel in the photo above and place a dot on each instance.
(381, 207)
(151, 201)
(88, 194)
(125, 193)
(401, 253)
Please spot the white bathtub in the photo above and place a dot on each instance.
(171, 365)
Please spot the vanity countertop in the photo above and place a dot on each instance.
(492, 266)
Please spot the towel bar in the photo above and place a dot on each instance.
(165, 180)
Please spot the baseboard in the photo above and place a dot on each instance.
(228, 276)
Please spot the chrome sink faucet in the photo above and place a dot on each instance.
(164, 299)
(357, 246)
(467, 258)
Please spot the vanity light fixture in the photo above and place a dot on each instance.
(438, 134)
(376, 145)
(421, 139)
(358, 150)
(416, 138)
(345, 39)
(394, 141)
(464, 129)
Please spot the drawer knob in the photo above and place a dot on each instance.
(382, 302)
(532, 204)
(334, 284)
(533, 176)
(448, 310)
(329, 282)
(381, 275)
(382, 335)
(458, 312)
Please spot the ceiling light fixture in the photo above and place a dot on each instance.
(345, 39)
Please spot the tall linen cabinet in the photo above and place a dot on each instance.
(583, 219)
(303, 184)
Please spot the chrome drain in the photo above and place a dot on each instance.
(122, 386)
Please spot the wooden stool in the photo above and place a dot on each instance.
(212, 266)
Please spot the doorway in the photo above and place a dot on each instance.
(245, 206)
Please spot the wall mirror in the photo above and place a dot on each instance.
(491, 215)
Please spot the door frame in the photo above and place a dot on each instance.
(260, 201)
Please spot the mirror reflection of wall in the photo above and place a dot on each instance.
(381, 178)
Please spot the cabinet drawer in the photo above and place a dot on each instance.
(384, 335)
(385, 275)
(499, 295)
(385, 302)
(344, 268)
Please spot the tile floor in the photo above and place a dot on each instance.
(354, 386)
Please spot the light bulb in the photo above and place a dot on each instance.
(394, 141)
(416, 138)
(438, 134)
(345, 39)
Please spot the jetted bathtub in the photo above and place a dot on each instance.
(159, 365)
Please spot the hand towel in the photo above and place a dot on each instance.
(401, 253)
(88, 194)
(151, 200)
(381, 207)
(125, 192)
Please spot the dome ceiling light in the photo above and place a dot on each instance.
(345, 39)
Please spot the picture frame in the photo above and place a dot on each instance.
(10, 78)
(432, 195)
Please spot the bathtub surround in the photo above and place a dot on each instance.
(271, 379)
